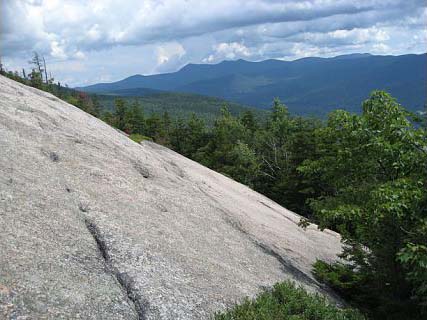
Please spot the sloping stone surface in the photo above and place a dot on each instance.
(96, 226)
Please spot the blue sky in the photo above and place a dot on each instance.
(86, 42)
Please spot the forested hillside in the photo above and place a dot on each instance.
(309, 86)
(178, 105)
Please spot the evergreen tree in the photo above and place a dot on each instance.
(36, 79)
(120, 114)
(195, 135)
(249, 121)
(134, 119)
(165, 129)
(179, 136)
(273, 147)
(153, 126)
(97, 108)
(243, 164)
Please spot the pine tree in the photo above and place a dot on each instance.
(120, 114)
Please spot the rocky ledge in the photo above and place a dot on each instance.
(96, 226)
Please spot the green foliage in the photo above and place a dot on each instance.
(282, 145)
(120, 113)
(87, 103)
(187, 137)
(340, 276)
(345, 279)
(249, 121)
(226, 134)
(373, 171)
(139, 137)
(286, 301)
(414, 258)
(244, 165)
(183, 105)
(36, 80)
(134, 119)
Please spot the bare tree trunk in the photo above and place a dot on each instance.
(45, 71)
(39, 66)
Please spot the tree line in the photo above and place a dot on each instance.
(363, 175)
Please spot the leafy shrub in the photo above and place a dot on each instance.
(286, 301)
(139, 137)
(359, 290)
(373, 171)
(350, 284)
(340, 276)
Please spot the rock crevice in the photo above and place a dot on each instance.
(123, 279)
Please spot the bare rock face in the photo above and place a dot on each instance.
(96, 226)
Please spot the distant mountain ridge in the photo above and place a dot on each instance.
(307, 86)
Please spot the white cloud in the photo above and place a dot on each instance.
(228, 51)
(380, 48)
(57, 51)
(87, 25)
(94, 34)
(169, 51)
(149, 36)
(79, 55)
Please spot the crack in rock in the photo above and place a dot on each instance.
(125, 281)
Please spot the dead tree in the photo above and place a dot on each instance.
(36, 61)
(45, 70)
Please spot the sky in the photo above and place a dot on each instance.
(86, 42)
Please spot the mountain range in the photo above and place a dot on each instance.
(308, 86)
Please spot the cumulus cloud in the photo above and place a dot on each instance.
(149, 36)
(169, 51)
(229, 51)
(169, 56)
